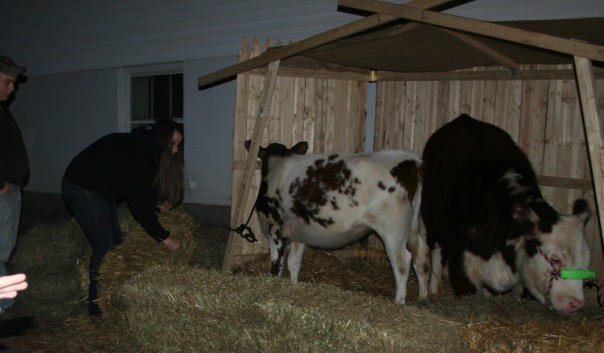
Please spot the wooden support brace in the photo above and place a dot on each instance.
(248, 173)
(593, 131)
(486, 50)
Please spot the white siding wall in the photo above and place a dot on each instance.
(69, 35)
(73, 50)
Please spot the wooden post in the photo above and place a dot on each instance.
(250, 163)
(593, 131)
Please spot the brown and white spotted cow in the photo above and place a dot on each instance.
(486, 219)
(332, 200)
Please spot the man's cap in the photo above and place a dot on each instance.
(9, 67)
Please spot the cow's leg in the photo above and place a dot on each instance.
(277, 246)
(400, 260)
(294, 260)
(518, 291)
(421, 265)
(437, 268)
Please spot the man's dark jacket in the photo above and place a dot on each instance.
(14, 165)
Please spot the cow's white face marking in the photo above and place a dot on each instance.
(512, 178)
(492, 273)
(565, 247)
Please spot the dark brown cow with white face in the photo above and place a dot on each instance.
(486, 218)
(331, 200)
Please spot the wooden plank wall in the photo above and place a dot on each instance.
(542, 116)
(327, 113)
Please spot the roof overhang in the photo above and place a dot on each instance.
(406, 41)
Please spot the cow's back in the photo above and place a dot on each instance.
(339, 194)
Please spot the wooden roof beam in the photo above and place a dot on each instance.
(310, 43)
(535, 39)
(484, 49)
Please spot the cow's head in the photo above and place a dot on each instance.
(276, 150)
(269, 207)
(554, 242)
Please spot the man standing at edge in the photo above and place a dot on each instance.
(14, 168)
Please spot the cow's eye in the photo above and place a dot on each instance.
(555, 259)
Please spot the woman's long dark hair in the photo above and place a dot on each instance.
(170, 178)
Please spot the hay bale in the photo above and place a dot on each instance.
(139, 252)
(207, 311)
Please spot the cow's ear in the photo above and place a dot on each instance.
(524, 217)
(581, 210)
(546, 213)
(262, 152)
(522, 213)
(300, 147)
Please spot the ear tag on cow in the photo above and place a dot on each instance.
(571, 273)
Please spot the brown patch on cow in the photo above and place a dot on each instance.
(310, 193)
(407, 174)
(334, 204)
(401, 263)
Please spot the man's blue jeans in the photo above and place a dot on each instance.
(97, 216)
(10, 214)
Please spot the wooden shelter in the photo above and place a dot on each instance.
(539, 80)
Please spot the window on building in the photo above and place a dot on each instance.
(152, 93)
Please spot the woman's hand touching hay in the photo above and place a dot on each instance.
(172, 244)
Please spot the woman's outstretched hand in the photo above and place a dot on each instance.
(172, 244)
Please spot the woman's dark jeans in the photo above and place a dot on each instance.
(98, 219)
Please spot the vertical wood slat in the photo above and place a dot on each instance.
(593, 130)
(551, 151)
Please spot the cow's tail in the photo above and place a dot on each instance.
(415, 206)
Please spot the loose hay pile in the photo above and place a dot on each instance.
(497, 324)
(212, 311)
